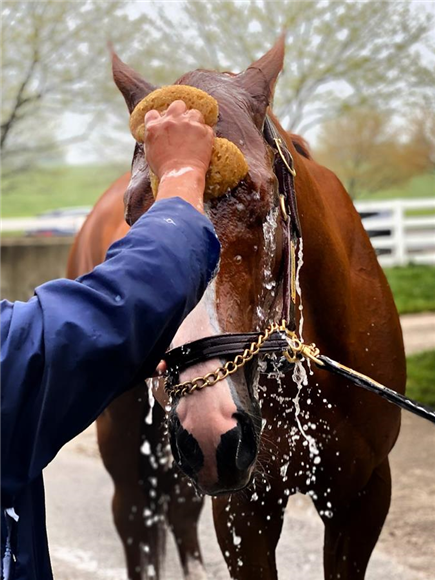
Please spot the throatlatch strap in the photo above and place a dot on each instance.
(291, 227)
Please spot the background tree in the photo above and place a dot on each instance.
(421, 132)
(340, 56)
(55, 60)
(370, 153)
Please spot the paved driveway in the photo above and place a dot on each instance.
(84, 543)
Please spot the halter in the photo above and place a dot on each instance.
(278, 338)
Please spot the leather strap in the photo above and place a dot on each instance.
(284, 171)
(286, 178)
(222, 345)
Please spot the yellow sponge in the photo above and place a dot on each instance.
(228, 164)
(160, 99)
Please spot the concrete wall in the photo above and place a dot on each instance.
(29, 262)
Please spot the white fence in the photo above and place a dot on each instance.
(71, 224)
(398, 233)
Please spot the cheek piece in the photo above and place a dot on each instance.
(228, 165)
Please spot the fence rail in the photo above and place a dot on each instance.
(49, 223)
(399, 235)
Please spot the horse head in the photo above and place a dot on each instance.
(215, 432)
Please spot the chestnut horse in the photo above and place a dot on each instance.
(315, 434)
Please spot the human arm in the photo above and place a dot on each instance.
(78, 344)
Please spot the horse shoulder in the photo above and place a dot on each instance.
(374, 314)
(104, 225)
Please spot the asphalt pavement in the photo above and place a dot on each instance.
(84, 543)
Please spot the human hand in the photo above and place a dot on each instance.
(158, 387)
(178, 150)
(178, 141)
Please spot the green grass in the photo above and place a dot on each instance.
(413, 288)
(43, 189)
(421, 377)
(420, 186)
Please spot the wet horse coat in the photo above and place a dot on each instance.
(327, 438)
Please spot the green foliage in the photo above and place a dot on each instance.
(56, 60)
(421, 377)
(420, 186)
(413, 288)
(43, 189)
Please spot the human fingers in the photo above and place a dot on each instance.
(195, 115)
(152, 115)
(161, 369)
(176, 108)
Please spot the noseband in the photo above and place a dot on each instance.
(277, 339)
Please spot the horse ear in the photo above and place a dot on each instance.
(260, 77)
(133, 87)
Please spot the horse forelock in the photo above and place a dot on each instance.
(236, 120)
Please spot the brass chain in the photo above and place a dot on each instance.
(295, 352)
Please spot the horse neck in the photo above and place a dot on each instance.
(329, 229)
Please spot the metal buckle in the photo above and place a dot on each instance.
(283, 208)
(278, 142)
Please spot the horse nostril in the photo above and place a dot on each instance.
(237, 447)
(186, 451)
(248, 445)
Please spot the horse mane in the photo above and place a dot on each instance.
(301, 145)
(299, 142)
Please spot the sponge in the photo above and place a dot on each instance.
(160, 99)
(228, 165)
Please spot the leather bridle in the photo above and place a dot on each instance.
(278, 338)
(225, 345)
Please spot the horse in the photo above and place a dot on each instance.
(250, 441)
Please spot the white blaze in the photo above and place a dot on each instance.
(208, 413)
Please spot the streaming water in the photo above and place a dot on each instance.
(300, 262)
(300, 378)
(269, 233)
(150, 383)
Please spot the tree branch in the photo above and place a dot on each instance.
(20, 100)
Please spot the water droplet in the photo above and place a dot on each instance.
(146, 448)
(236, 539)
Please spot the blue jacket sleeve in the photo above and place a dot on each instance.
(76, 345)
